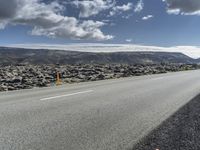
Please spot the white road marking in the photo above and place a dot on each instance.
(66, 95)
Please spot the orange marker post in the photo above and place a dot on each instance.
(58, 81)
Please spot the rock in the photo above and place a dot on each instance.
(16, 79)
(3, 88)
(80, 76)
(29, 76)
(101, 77)
(11, 88)
(42, 82)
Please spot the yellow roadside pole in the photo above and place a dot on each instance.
(58, 81)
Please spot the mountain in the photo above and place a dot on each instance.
(41, 56)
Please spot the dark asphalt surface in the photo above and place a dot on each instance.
(102, 115)
(179, 132)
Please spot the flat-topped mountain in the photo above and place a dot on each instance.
(41, 56)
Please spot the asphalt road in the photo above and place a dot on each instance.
(102, 115)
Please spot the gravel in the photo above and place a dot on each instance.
(180, 132)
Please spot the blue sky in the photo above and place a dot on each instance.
(163, 23)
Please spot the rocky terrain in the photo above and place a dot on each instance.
(15, 77)
(27, 68)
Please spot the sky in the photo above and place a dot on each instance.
(160, 23)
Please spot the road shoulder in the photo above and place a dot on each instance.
(180, 131)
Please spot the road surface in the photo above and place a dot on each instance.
(102, 115)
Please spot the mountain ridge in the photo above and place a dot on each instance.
(11, 56)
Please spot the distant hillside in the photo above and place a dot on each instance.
(29, 56)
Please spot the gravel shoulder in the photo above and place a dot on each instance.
(180, 132)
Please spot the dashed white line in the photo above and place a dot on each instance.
(66, 95)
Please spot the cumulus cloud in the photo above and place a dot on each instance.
(8, 8)
(92, 7)
(184, 7)
(139, 6)
(147, 17)
(122, 8)
(47, 19)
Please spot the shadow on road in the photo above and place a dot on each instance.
(179, 132)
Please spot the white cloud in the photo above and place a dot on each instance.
(191, 51)
(139, 6)
(147, 17)
(127, 16)
(173, 11)
(129, 40)
(92, 7)
(122, 8)
(184, 7)
(3, 24)
(47, 20)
